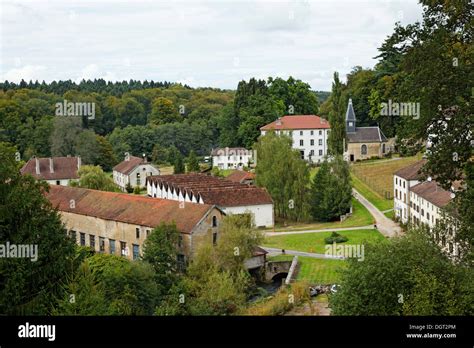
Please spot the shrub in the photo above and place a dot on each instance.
(137, 190)
(335, 238)
(129, 188)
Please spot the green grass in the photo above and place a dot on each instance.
(372, 196)
(360, 217)
(314, 242)
(319, 271)
(390, 214)
(314, 271)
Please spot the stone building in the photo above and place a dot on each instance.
(363, 142)
(118, 223)
(133, 170)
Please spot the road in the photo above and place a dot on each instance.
(385, 225)
(368, 227)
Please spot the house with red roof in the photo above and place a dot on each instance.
(54, 170)
(309, 133)
(133, 170)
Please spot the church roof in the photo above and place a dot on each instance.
(350, 114)
(366, 135)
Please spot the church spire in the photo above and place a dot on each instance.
(350, 118)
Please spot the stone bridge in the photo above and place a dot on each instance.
(275, 270)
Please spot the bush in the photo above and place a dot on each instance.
(129, 188)
(137, 190)
(335, 238)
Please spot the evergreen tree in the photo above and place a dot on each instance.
(193, 163)
(331, 190)
(336, 120)
(178, 164)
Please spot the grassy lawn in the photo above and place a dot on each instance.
(314, 242)
(319, 271)
(390, 214)
(360, 217)
(375, 198)
(374, 179)
(315, 271)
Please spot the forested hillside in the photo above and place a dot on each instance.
(143, 117)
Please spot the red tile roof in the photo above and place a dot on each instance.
(433, 193)
(63, 168)
(132, 209)
(298, 122)
(213, 190)
(240, 176)
(411, 172)
(125, 167)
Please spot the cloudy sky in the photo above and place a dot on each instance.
(201, 43)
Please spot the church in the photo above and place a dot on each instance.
(363, 142)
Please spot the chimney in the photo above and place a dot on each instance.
(144, 158)
(278, 122)
(51, 165)
(78, 162)
(37, 166)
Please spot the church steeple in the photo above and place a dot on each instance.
(350, 118)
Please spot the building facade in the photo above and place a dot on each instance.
(54, 170)
(363, 142)
(133, 170)
(309, 134)
(230, 197)
(118, 223)
(403, 180)
(231, 158)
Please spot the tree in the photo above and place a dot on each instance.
(29, 285)
(160, 250)
(178, 163)
(282, 172)
(336, 120)
(64, 136)
(163, 111)
(93, 177)
(193, 163)
(407, 275)
(105, 156)
(87, 146)
(331, 190)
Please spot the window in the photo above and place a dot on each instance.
(111, 246)
(138, 179)
(214, 238)
(137, 232)
(320, 152)
(403, 184)
(320, 142)
(405, 197)
(123, 249)
(83, 239)
(101, 244)
(320, 132)
(396, 181)
(383, 148)
(92, 241)
(301, 132)
(312, 132)
(311, 142)
(363, 149)
(311, 153)
(396, 193)
(72, 235)
(422, 212)
(58, 182)
(180, 241)
(147, 233)
(301, 142)
(136, 251)
(214, 221)
(181, 262)
(428, 216)
(351, 124)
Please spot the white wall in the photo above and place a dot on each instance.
(318, 136)
(262, 214)
(62, 182)
(238, 161)
(401, 200)
(145, 170)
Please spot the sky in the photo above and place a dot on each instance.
(199, 43)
